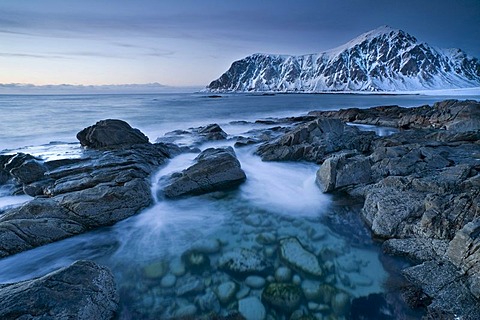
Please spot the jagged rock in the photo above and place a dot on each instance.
(83, 194)
(314, 140)
(83, 290)
(242, 262)
(212, 132)
(342, 170)
(464, 252)
(441, 282)
(110, 133)
(297, 257)
(282, 296)
(417, 250)
(214, 170)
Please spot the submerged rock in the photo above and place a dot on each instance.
(242, 262)
(111, 133)
(226, 292)
(83, 290)
(282, 296)
(214, 170)
(297, 257)
(252, 309)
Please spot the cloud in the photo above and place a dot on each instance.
(29, 56)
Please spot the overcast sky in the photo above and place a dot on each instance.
(191, 42)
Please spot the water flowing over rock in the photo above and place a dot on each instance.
(83, 290)
(77, 195)
(215, 170)
(111, 133)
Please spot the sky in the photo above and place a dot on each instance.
(192, 42)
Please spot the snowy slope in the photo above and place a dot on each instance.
(384, 59)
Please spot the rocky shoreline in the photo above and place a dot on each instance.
(420, 190)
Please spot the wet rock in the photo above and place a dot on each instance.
(83, 195)
(341, 304)
(207, 246)
(189, 285)
(297, 257)
(212, 132)
(214, 170)
(252, 309)
(177, 267)
(186, 311)
(283, 274)
(255, 282)
(155, 270)
(242, 262)
(282, 296)
(110, 133)
(208, 302)
(342, 170)
(83, 290)
(196, 262)
(226, 292)
(311, 290)
(168, 281)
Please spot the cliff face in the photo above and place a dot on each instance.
(384, 59)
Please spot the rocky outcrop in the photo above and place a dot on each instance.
(195, 136)
(77, 195)
(83, 290)
(421, 191)
(452, 115)
(111, 133)
(314, 140)
(214, 170)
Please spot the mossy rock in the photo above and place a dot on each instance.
(285, 297)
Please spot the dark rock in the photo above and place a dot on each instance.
(111, 134)
(215, 170)
(417, 250)
(447, 289)
(212, 132)
(83, 290)
(285, 297)
(314, 140)
(343, 170)
(196, 262)
(242, 262)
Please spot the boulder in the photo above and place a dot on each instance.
(214, 170)
(242, 262)
(285, 297)
(83, 290)
(292, 252)
(343, 170)
(110, 133)
(314, 140)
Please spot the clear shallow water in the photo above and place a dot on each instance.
(278, 200)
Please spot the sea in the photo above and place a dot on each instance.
(279, 200)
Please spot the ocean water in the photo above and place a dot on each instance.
(278, 201)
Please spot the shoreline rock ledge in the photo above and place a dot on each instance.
(421, 192)
(83, 290)
(72, 196)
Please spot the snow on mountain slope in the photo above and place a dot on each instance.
(384, 59)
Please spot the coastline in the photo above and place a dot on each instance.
(322, 138)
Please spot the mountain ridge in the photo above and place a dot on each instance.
(383, 59)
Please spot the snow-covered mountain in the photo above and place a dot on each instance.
(384, 59)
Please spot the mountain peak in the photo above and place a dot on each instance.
(383, 59)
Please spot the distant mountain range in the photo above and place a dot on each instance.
(384, 59)
(20, 88)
